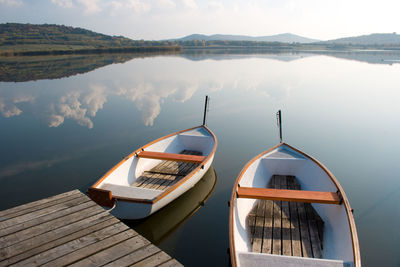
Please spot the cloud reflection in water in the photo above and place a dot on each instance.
(154, 80)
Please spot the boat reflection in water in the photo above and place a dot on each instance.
(163, 223)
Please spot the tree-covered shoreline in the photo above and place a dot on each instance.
(18, 39)
(48, 39)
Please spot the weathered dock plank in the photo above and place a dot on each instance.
(48, 246)
(44, 211)
(113, 253)
(52, 227)
(71, 246)
(134, 257)
(170, 263)
(48, 217)
(70, 229)
(154, 260)
(38, 203)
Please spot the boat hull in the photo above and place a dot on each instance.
(136, 210)
(340, 244)
(140, 185)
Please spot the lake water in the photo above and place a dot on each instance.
(61, 134)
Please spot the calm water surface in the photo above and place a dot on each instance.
(61, 134)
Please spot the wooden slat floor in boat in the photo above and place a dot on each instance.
(166, 173)
(285, 228)
(71, 229)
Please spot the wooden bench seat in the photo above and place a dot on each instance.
(171, 156)
(284, 228)
(289, 195)
(166, 173)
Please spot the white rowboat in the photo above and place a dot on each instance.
(156, 174)
(303, 218)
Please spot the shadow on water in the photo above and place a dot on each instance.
(163, 223)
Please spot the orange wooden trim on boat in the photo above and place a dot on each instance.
(136, 152)
(101, 197)
(232, 206)
(353, 229)
(140, 150)
(193, 171)
(171, 156)
(289, 195)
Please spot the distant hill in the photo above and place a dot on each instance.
(371, 39)
(32, 39)
(283, 38)
(19, 34)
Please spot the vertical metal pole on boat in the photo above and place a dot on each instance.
(279, 121)
(205, 110)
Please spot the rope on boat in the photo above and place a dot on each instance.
(115, 204)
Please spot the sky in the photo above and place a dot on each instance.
(166, 19)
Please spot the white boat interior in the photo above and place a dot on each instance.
(146, 178)
(334, 246)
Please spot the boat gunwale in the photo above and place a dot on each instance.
(346, 203)
(175, 186)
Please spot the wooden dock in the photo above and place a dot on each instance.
(70, 229)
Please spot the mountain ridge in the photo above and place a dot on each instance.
(370, 39)
(282, 38)
(17, 39)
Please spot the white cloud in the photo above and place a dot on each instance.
(147, 99)
(165, 19)
(55, 120)
(9, 110)
(69, 106)
(8, 107)
(11, 3)
(116, 5)
(138, 6)
(95, 100)
(63, 3)
(23, 98)
(148, 96)
(78, 106)
(190, 4)
(166, 4)
(91, 6)
(153, 83)
(215, 5)
(186, 93)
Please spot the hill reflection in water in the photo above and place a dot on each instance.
(148, 81)
(33, 68)
(22, 69)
